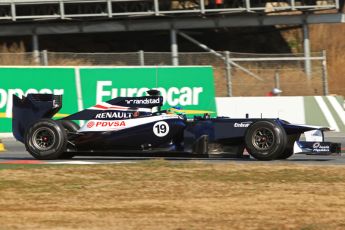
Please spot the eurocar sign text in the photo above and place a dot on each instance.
(173, 96)
(191, 88)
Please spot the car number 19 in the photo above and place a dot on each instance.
(161, 129)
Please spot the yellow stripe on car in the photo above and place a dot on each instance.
(59, 115)
(173, 110)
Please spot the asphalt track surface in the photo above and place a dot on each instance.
(16, 154)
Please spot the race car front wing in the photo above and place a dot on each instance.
(315, 144)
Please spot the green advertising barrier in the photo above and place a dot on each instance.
(22, 81)
(191, 88)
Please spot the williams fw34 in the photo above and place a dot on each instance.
(137, 124)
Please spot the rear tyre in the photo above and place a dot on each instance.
(265, 140)
(70, 127)
(46, 139)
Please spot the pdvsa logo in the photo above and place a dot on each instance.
(90, 124)
(110, 123)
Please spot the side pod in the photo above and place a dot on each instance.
(30, 109)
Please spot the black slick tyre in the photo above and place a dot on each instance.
(288, 152)
(46, 139)
(265, 140)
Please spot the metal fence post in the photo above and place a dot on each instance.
(109, 9)
(228, 73)
(247, 3)
(202, 6)
(306, 46)
(324, 73)
(277, 80)
(141, 57)
(35, 49)
(62, 9)
(174, 48)
(156, 7)
(13, 11)
(44, 58)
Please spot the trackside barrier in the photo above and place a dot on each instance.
(311, 110)
(189, 87)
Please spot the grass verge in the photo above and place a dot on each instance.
(166, 195)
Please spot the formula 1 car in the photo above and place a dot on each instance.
(138, 124)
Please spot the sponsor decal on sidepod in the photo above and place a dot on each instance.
(143, 102)
(122, 115)
(111, 125)
(242, 124)
(91, 124)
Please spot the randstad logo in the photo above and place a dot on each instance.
(145, 101)
(173, 96)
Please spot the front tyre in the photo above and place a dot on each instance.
(288, 152)
(265, 140)
(46, 139)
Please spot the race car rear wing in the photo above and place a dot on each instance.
(31, 108)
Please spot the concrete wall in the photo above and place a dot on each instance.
(312, 110)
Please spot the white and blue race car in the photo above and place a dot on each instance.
(138, 124)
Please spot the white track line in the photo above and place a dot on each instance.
(72, 162)
(337, 107)
(327, 113)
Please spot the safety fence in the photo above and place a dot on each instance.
(236, 74)
(67, 9)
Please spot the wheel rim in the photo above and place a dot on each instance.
(263, 139)
(43, 138)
